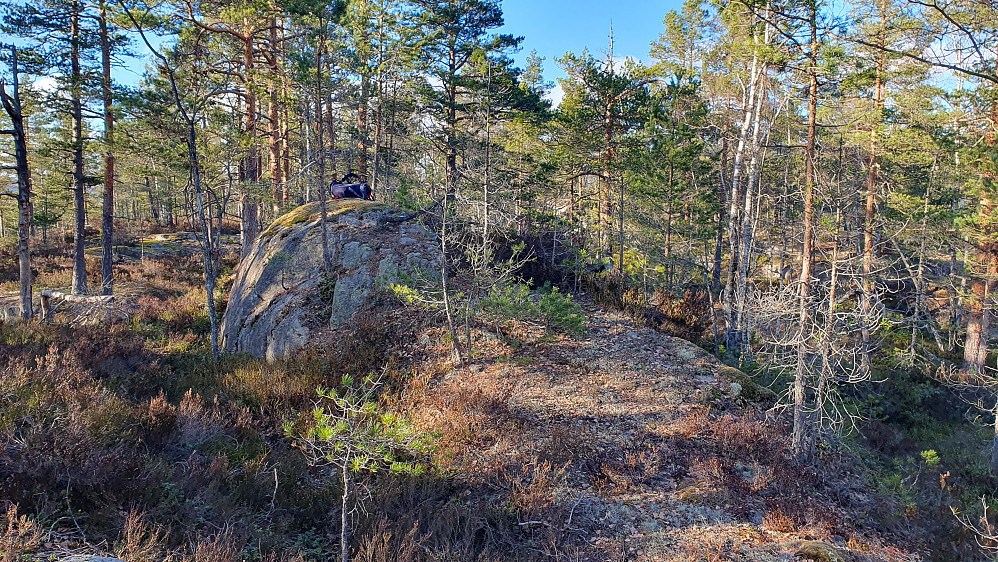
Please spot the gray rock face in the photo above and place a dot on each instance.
(353, 253)
(348, 296)
(276, 297)
(388, 270)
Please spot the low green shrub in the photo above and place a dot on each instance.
(554, 309)
(560, 313)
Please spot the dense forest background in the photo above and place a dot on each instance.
(807, 190)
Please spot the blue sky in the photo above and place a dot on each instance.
(554, 27)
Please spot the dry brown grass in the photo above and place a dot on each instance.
(777, 521)
(533, 489)
(141, 542)
(381, 545)
(221, 547)
(691, 425)
(469, 416)
(18, 534)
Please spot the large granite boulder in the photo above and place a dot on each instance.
(281, 294)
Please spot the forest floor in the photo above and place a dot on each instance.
(620, 443)
(630, 440)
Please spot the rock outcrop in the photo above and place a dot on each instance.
(280, 293)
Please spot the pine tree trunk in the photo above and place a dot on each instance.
(323, 213)
(977, 307)
(249, 207)
(451, 134)
(604, 203)
(79, 185)
(274, 123)
(12, 105)
(107, 214)
(285, 138)
(365, 82)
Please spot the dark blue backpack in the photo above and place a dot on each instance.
(343, 190)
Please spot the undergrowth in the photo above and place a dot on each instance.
(129, 440)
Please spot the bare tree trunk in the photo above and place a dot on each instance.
(378, 132)
(825, 377)
(12, 105)
(729, 301)
(871, 202)
(345, 513)
(107, 215)
(802, 439)
(308, 147)
(994, 444)
(209, 241)
(365, 82)
(620, 240)
(153, 205)
(391, 135)
(715, 276)
(444, 271)
(668, 212)
(285, 142)
(747, 223)
(450, 163)
(920, 306)
(323, 213)
(605, 218)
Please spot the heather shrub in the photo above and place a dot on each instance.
(469, 417)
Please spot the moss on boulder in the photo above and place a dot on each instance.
(821, 552)
(749, 389)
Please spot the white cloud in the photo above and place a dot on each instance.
(555, 95)
(46, 84)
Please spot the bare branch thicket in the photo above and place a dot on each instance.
(830, 342)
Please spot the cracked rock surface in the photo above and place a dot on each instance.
(280, 293)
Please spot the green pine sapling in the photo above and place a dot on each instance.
(349, 433)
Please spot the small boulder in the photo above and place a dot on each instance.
(821, 552)
(747, 388)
